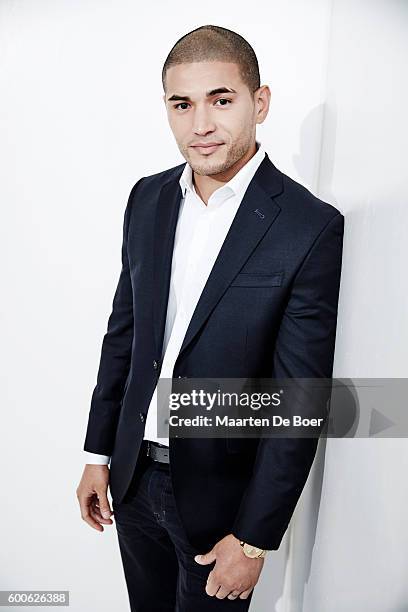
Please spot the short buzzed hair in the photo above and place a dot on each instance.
(214, 43)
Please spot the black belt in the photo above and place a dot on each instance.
(157, 452)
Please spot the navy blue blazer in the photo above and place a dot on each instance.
(282, 327)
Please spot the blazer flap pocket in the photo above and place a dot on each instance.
(252, 279)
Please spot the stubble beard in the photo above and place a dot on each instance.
(233, 154)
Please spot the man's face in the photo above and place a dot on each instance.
(200, 115)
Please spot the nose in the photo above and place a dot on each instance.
(203, 123)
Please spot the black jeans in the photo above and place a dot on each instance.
(158, 561)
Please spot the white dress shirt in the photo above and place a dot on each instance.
(200, 232)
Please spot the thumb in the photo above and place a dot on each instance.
(104, 505)
(205, 559)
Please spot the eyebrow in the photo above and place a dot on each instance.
(209, 94)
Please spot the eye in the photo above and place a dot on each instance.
(224, 100)
(177, 105)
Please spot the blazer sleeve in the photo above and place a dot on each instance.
(304, 349)
(115, 357)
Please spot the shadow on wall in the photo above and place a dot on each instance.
(316, 168)
(286, 571)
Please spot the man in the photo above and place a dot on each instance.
(230, 269)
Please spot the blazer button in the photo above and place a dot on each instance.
(155, 364)
(141, 416)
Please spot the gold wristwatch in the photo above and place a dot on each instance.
(253, 552)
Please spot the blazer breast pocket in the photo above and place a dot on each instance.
(253, 279)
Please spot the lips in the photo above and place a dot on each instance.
(207, 149)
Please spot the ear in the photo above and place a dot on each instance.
(262, 101)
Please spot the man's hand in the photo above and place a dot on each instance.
(234, 574)
(92, 496)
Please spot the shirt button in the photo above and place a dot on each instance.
(141, 416)
(155, 364)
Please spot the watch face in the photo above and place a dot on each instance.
(252, 551)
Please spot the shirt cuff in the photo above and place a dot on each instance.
(95, 459)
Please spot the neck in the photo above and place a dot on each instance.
(206, 185)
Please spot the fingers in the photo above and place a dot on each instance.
(225, 592)
(86, 515)
(245, 594)
(215, 588)
(91, 511)
(222, 592)
(233, 595)
(104, 506)
(95, 512)
(212, 585)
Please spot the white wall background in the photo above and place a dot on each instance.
(81, 119)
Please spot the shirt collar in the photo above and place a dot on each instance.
(239, 182)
